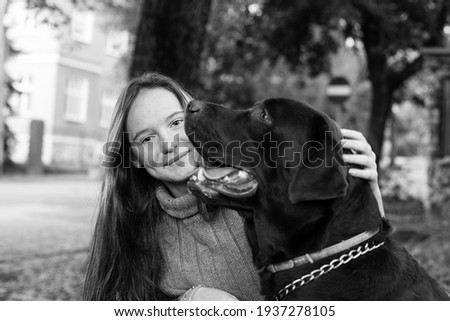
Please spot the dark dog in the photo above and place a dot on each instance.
(309, 223)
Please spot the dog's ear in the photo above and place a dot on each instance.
(322, 173)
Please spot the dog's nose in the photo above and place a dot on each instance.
(194, 106)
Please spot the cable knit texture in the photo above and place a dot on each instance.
(214, 254)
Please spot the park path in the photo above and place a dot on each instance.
(45, 222)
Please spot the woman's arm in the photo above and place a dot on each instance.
(201, 293)
(366, 158)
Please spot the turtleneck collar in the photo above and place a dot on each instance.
(179, 207)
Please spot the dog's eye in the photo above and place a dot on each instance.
(264, 116)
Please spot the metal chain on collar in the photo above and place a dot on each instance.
(324, 269)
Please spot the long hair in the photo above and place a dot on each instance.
(125, 261)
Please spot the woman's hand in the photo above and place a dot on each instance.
(201, 293)
(364, 157)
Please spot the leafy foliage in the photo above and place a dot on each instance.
(237, 69)
(390, 33)
(303, 29)
(440, 186)
(233, 53)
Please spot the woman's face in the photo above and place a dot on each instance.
(159, 143)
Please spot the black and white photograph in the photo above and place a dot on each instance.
(225, 150)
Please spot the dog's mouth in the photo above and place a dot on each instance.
(228, 181)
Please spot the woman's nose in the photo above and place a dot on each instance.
(167, 146)
(169, 143)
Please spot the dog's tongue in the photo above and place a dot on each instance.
(215, 173)
(228, 181)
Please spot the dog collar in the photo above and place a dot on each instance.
(328, 251)
(324, 269)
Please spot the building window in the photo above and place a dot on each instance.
(21, 94)
(117, 42)
(77, 94)
(82, 26)
(108, 102)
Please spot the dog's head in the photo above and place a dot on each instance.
(279, 150)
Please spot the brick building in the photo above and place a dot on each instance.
(69, 77)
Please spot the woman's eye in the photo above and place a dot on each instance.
(147, 139)
(176, 122)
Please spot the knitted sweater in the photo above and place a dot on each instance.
(214, 254)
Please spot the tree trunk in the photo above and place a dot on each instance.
(375, 46)
(381, 95)
(380, 112)
(384, 83)
(170, 39)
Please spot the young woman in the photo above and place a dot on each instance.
(153, 240)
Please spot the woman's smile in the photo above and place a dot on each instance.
(175, 159)
(183, 159)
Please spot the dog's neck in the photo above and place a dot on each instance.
(311, 226)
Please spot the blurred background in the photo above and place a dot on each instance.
(380, 67)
